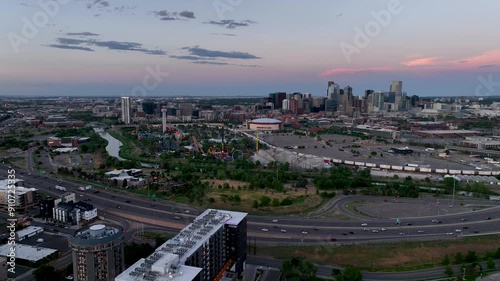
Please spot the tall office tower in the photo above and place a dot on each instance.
(97, 253)
(368, 93)
(318, 104)
(210, 248)
(289, 96)
(126, 110)
(307, 95)
(330, 91)
(164, 119)
(286, 104)
(149, 107)
(378, 101)
(397, 87)
(277, 99)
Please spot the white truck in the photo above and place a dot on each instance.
(83, 188)
(61, 188)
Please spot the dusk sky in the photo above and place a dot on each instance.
(248, 47)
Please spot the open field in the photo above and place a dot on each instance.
(397, 256)
(303, 199)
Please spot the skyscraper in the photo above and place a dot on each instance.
(126, 110)
(98, 253)
(204, 250)
(164, 120)
(397, 87)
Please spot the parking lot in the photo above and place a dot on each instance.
(341, 147)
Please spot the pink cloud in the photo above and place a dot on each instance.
(487, 58)
(423, 61)
(336, 71)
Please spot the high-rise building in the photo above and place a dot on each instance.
(164, 120)
(98, 253)
(149, 107)
(125, 110)
(207, 249)
(397, 87)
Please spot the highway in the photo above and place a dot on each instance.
(299, 230)
(173, 216)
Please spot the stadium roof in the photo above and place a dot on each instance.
(266, 121)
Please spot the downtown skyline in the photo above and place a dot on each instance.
(248, 48)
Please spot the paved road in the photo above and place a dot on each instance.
(326, 271)
(318, 231)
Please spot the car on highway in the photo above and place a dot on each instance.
(465, 227)
(435, 221)
(488, 218)
(283, 230)
(333, 239)
(177, 218)
(402, 233)
(463, 219)
(409, 224)
(352, 232)
(458, 230)
(187, 211)
(382, 229)
(420, 231)
(316, 228)
(449, 233)
(304, 232)
(345, 233)
(265, 229)
(375, 231)
(275, 220)
(128, 201)
(364, 224)
(476, 231)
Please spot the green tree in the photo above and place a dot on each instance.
(471, 256)
(265, 201)
(298, 267)
(350, 273)
(46, 273)
(446, 260)
(490, 263)
(276, 202)
(448, 271)
(459, 258)
(255, 204)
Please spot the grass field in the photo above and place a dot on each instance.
(303, 199)
(397, 256)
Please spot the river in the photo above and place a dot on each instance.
(113, 147)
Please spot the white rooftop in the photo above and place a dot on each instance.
(27, 252)
(167, 262)
(28, 230)
(4, 184)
